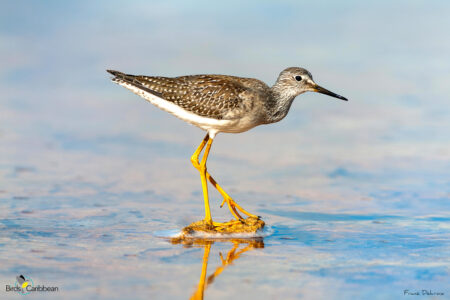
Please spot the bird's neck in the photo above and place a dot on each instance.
(279, 103)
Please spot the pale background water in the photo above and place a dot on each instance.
(356, 194)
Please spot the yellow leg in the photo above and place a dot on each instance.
(232, 205)
(202, 169)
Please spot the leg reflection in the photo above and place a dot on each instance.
(233, 254)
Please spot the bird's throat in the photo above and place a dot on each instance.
(278, 104)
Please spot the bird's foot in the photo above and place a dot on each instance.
(248, 225)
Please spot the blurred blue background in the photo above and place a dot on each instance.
(357, 194)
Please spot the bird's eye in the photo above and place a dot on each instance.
(298, 78)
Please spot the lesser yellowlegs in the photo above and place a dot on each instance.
(221, 103)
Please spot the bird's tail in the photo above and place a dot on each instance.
(121, 76)
(131, 82)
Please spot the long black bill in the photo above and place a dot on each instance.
(321, 90)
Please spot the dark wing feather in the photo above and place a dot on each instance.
(212, 96)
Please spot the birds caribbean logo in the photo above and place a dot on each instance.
(23, 282)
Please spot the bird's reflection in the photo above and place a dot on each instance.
(239, 246)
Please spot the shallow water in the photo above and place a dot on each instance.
(108, 245)
(92, 178)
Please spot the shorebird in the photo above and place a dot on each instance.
(221, 103)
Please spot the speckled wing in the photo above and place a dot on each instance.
(213, 96)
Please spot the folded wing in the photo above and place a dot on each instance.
(211, 96)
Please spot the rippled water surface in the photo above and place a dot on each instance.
(93, 179)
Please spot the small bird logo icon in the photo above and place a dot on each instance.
(23, 282)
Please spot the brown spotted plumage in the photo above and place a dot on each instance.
(212, 96)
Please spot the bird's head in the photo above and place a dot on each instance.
(295, 81)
